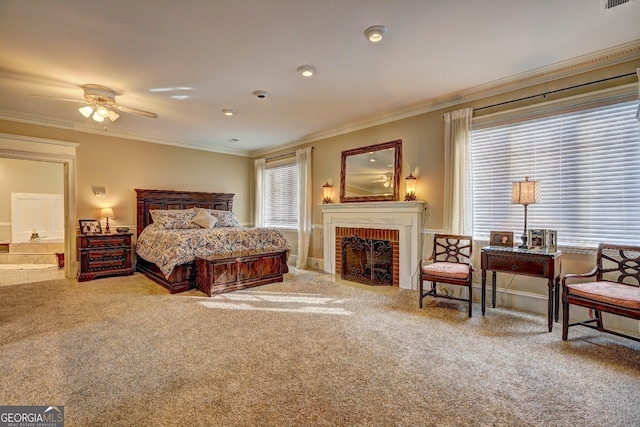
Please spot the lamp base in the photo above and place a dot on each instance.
(524, 242)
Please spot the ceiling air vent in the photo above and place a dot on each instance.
(609, 4)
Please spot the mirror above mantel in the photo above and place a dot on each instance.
(371, 173)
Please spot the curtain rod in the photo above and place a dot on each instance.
(293, 153)
(544, 94)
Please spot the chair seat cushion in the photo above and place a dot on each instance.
(608, 292)
(447, 270)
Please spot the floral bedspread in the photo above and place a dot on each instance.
(168, 248)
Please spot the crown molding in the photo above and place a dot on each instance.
(34, 119)
(10, 136)
(582, 64)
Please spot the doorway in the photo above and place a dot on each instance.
(44, 152)
(31, 192)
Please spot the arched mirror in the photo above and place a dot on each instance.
(372, 173)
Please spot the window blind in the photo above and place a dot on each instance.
(588, 164)
(281, 195)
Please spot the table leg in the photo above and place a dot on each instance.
(551, 304)
(557, 295)
(493, 288)
(484, 290)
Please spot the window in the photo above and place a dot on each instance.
(587, 159)
(281, 195)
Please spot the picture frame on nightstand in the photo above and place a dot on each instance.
(536, 239)
(501, 238)
(90, 226)
(552, 240)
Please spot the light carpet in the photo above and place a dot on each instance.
(306, 352)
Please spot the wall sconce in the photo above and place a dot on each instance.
(107, 213)
(525, 193)
(326, 193)
(99, 191)
(411, 188)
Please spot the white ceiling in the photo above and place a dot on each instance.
(219, 52)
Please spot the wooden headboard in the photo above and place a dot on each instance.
(148, 200)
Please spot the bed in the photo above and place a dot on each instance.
(183, 275)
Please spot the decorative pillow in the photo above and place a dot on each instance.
(225, 218)
(174, 218)
(204, 219)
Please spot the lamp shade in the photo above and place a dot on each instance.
(326, 193)
(411, 183)
(107, 213)
(526, 192)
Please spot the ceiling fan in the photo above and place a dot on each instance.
(100, 103)
(386, 179)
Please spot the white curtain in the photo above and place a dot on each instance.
(258, 220)
(303, 159)
(458, 207)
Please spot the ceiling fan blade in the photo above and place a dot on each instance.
(136, 111)
(55, 98)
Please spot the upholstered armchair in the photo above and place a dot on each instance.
(450, 263)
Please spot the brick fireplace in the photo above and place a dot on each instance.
(398, 222)
(375, 263)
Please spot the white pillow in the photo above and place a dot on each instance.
(205, 220)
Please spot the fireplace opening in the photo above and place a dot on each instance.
(368, 261)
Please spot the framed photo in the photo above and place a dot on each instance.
(536, 239)
(501, 238)
(90, 226)
(552, 240)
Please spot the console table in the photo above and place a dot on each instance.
(526, 262)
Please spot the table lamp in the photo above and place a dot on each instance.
(107, 213)
(525, 193)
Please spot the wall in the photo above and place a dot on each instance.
(121, 165)
(25, 176)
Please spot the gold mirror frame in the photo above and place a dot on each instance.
(365, 180)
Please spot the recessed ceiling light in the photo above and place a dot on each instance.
(307, 70)
(228, 112)
(375, 33)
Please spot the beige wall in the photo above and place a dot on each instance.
(121, 165)
(25, 176)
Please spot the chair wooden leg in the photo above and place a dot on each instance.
(598, 316)
(420, 296)
(470, 299)
(565, 319)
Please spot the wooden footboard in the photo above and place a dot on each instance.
(215, 276)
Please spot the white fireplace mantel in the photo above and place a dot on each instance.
(406, 217)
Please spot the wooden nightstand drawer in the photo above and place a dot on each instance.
(105, 241)
(517, 266)
(104, 255)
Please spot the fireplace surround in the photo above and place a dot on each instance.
(404, 217)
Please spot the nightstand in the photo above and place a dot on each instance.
(102, 255)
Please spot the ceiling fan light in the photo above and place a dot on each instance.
(97, 117)
(104, 112)
(86, 110)
(113, 116)
(375, 33)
